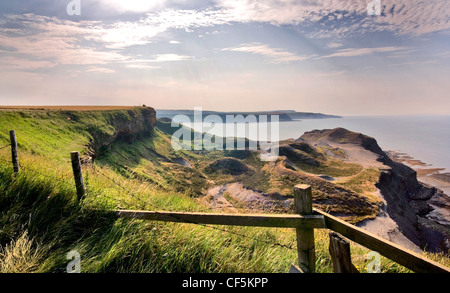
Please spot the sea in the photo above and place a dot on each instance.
(425, 138)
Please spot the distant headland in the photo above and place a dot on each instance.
(284, 115)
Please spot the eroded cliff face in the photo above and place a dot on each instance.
(406, 198)
(408, 205)
(138, 123)
(394, 188)
(119, 125)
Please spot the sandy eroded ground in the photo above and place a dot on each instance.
(228, 196)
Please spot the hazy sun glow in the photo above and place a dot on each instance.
(134, 5)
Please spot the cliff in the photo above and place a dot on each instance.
(406, 198)
(107, 127)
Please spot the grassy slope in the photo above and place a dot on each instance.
(54, 134)
(43, 133)
(40, 222)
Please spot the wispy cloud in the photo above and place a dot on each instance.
(334, 45)
(132, 5)
(273, 55)
(142, 66)
(99, 70)
(44, 42)
(158, 58)
(169, 58)
(352, 52)
(329, 74)
(53, 40)
(18, 63)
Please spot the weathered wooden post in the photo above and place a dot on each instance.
(78, 175)
(340, 254)
(305, 236)
(15, 158)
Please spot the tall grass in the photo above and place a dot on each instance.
(21, 255)
(43, 207)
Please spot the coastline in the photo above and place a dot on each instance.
(430, 207)
(439, 217)
(426, 173)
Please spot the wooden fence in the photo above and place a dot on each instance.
(304, 225)
(305, 221)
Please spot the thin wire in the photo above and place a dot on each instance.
(119, 185)
(204, 225)
(145, 203)
(126, 204)
(5, 160)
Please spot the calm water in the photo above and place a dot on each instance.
(426, 138)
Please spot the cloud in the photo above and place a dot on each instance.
(169, 58)
(145, 6)
(415, 17)
(124, 34)
(352, 52)
(132, 5)
(53, 40)
(338, 18)
(319, 18)
(141, 66)
(95, 69)
(44, 42)
(328, 74)
(31, 41)
(17, 63)
(333, 45)
(158, 58)
(273, 55)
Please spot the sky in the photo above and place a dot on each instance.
(324, 56)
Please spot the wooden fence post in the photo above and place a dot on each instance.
(305, 236)
(15, 158)
(78, 175)
(340, 254)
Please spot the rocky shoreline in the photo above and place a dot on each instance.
(435, 208)
(426, 173)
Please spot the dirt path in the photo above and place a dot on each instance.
(235, 196)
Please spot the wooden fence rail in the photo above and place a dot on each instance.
(395, 252)
(318, 220)
(254, 220)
